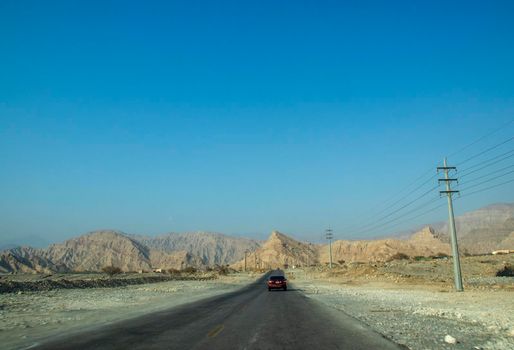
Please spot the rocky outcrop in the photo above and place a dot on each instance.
(423, 243)
(93, 252)
(483, 230)
(278, 251)
(27, 260)
(212, 248)
(174, 260)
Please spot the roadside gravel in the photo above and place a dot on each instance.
(420, 316)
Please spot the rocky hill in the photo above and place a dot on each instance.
(423, 243)
(92, 252)
(280, 250)
(212, 248)
(480, 231)
(483, 230)
(27, 260)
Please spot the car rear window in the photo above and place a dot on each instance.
(274, 278)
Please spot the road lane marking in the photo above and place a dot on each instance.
(215, 331)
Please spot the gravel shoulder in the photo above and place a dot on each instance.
(419, 313)
(28, 318)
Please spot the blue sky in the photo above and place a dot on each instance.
(242, 117)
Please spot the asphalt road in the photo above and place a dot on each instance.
(250, 318)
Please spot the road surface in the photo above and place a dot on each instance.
(250, 318)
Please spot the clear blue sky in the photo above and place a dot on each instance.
(241, 117)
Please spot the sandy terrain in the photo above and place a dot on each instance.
(410, 302)
(413, 303)
(30, 317)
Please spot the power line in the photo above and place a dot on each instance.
(368, 228)
(488, 160)
(487, 188)
(413, 191)
(485, 151)
(489, 163)
(416, 216)
(481, 138)
(491, 173)
(413, 186)
(488, 180)
(353, 227)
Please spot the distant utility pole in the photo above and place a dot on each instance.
(453, 234)
(246, 252)
(329, 235)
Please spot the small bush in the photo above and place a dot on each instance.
(341, 262)
(505, 271)
(399, 256)
(111, 270)
(441, 256)
(420, 258)
(223, 270)
(189, 269)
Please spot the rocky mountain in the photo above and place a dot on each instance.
(423, 243)
(212, 248)
(92, 252)
(483, 230)
(27, 260)
(480, 231)
(280, 250)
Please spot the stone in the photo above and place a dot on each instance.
(449, 339)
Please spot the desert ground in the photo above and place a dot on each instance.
(414, 303)
(410, 302)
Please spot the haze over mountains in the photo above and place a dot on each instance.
(479, 232)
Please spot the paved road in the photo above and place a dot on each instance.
(250, 318)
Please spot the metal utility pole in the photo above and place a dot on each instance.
(453, 232)
(329, 235)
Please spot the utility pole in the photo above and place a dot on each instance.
(453, 234)
(329, 235)
(246, 252)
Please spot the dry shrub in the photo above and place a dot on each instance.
(173, 271)
(189, 269)
(505, 271)
(440, 256)
(222, 270)
(111, 270)
(421, 258)
(399, 256)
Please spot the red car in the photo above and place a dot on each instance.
(277, 282)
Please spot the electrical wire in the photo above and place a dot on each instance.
(489, 163)
(376, 224)
(487, 188)
(489, 174)
(502, 127)
(485, 151)
(488, 160)
(486, 181)
(414, 217)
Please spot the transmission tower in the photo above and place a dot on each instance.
(453, 234)
(329, 235)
